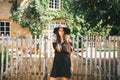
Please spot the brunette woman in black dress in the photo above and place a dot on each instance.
(62, 66)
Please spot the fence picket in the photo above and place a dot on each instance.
(40, 56)
(2, 58)
(82, 62)
(16, 55)
(7, 41)
(114, 57)
(12, 64)
(109, 64)
(91, 46)
(30, 42)
(21, 49)
(35, 54)
(73, 52)
(100, 58)
(118, 59)
(95, 59)
(104, 58)
(77, 69)
(86, 69)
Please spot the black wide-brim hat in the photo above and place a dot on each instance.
(66, 29)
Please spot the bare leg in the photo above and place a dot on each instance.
(64, 78)
(52, 78)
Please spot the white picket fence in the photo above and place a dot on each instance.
(28, 58)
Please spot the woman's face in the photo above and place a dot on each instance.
(61, 31)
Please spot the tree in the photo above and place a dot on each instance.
(106, 13)
(77, 24)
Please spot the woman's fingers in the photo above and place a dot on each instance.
(58, 47)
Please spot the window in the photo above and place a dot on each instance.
(49, 29)
(54, 4)
(4, 28)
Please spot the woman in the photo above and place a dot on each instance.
(62, 66)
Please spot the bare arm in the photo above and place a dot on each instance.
(71, 62)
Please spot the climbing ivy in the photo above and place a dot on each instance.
(36, 16)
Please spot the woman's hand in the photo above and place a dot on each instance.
(58, 47)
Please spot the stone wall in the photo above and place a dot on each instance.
(17, 30)
(5, 9)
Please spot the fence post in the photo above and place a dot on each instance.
(46, 72)
(2, 58)
(118, 66)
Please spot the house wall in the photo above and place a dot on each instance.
(4, 9)
(15, 28)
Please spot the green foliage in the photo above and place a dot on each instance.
(76, 20)
(79, 18)
(115, 30)
(77, 24)
(36, 15)
(31, 17)
(100, 13)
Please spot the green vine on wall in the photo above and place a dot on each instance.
(36, 16)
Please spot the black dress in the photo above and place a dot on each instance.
(61, 63)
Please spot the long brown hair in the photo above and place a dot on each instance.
(66, 39)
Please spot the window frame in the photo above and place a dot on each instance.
(54, 5)
(6, 28)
